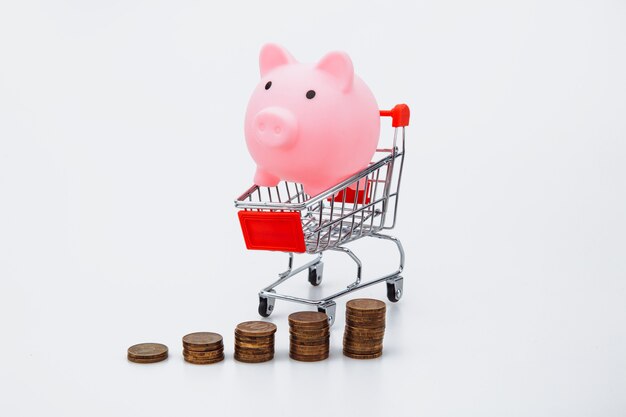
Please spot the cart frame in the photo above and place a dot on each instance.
(363, 205)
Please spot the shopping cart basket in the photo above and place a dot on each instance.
(285, 218)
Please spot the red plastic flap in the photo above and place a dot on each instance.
(351, 195)
(279, 231)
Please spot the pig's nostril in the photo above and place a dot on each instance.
(275, 127)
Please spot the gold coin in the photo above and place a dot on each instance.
(147, 352)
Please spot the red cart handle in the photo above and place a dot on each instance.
(400, 115)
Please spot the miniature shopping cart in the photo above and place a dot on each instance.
(285, 218)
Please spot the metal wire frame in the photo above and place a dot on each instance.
(327, 223)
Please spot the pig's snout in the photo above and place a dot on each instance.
(275, 127)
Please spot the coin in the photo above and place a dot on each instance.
(305, 358)
(309, 332)
(259, 340)
(147, 353)
(358, 328)
(363, 349)
(365, 328)
(203, 361)
(309, 336)
(207, 355)
(308, 319)
(253, 350)
(363, 356)
(203, 348)
(309, 340)
(364, 305)
(253, 358)
(254, 341)
(361, 344)
(366, 323)
(202, 341)
(309, 350)
(254, 346)
(255, 328)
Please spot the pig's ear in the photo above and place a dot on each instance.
(339, 65)
(273, 56)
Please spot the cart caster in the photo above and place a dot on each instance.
(266, 305)
(330, 308)
(315, 274)
(394, 289)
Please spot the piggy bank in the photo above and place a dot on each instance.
(314, 124)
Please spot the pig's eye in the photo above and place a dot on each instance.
(310, 94)
(268, 85)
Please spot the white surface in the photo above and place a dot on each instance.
(121, 151)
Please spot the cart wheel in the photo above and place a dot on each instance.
(315, 274)
(330, 308)
(394, 289)
(266, 305)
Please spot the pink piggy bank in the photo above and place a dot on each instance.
(314, 124)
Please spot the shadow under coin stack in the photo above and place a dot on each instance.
(309, 336)
(203, 348)
(254, 341)
(365, 328)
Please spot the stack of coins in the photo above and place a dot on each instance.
(254, 341)
(365, 328)
(203, 348)
(309, 336)
(147, 353)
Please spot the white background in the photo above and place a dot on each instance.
(122, 150)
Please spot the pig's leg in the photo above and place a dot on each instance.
(265, 179)
(322, 185)
(361, 183)
(313, 190)
(317, 188)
